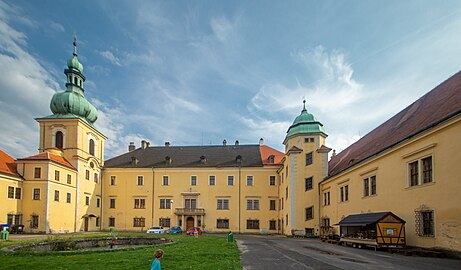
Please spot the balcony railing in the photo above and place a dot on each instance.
(189, 211)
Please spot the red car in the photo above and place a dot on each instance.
(191, 231)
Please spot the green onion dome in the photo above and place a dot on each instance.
(305, 123)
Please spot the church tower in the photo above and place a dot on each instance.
(305, 165)
(70, 134)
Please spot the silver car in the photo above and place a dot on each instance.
(156, 229)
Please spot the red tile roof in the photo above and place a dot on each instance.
(8, 164)
(51, 157)
(267, 151)
(440, 104)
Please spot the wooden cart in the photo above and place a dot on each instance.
(383, 229)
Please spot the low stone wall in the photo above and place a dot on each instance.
(85, 243)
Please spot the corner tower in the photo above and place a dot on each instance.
(305, 165)
(70, 133)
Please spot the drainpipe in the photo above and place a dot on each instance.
(319, 206)
(240, 171)
(100, 199)
(153, 198)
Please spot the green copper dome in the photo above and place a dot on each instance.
(72, 102)
(305, 123)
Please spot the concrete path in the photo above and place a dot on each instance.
(269, 252)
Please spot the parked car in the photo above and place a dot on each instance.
(175, 230)
(156, 230)
(192, 230)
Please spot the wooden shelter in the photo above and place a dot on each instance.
(382, 229)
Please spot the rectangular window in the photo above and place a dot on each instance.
(69, 179)
(165, 180)
(68, 197)
(164, 222)
(222, 223)
(9, 219)
(97, 221)
(253, 224)
(113, 180)
(252, 204)
(427, 169)
(212, 180)
(308, 158)
(326, 198)
(139, 203)
(190, 203)
(308, 140)
(34, 222)
(344, 193)
(56, 175)
(249, 180)
(286, 193)
(139, 222)
(165, 203)
(38, 173)
(111, 222)
(309, 213)
(56, 195)
(272, 180)
(112, 203)
(366, 187)
(17, 195)
(425, 223)
(193, 180)
(10, 192)
(140, 180)
(36, 194)
(373, 185)
(98, 202)
(272, 205)
(230, 180)
(87, 175)
(272, 225)
(413, 169)
(87, 200)
(223, 204)
(308, 185)
(96, 178)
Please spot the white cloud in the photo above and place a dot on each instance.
(108, 55)
(26, 82)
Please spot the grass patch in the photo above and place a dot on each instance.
(207, 252)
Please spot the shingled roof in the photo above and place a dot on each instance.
(435, 107)
(50, 157)
(8, 164)
(189, 156)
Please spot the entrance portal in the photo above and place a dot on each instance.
(86, 224)
(189, 222)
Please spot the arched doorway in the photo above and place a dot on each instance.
(189, 222)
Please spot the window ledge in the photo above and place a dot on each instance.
(421, 185)
(369, 196)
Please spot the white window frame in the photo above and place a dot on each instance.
(140, 177)
(191, 180)
(209, 180)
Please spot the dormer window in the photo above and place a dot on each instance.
(203, 159)
(238, 159)
(271, 159)
(59, 140)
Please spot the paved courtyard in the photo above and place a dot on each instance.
(275, 252)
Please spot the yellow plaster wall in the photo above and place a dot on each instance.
(394, 193)
(9, 206)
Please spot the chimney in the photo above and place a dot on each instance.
(147, 144)
(143, 144)
(131, 147)
(167, 144)
(334, 153)
(134, 161)
(237, 143)
(168, 160)
(261, 141)
(224, 142)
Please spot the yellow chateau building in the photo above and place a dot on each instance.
(407, 166)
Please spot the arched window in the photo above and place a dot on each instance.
(75, 80)
(59, 140)
(91, 147)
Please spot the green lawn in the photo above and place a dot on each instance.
(207, 252)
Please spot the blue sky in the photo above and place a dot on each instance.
(199, 72)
